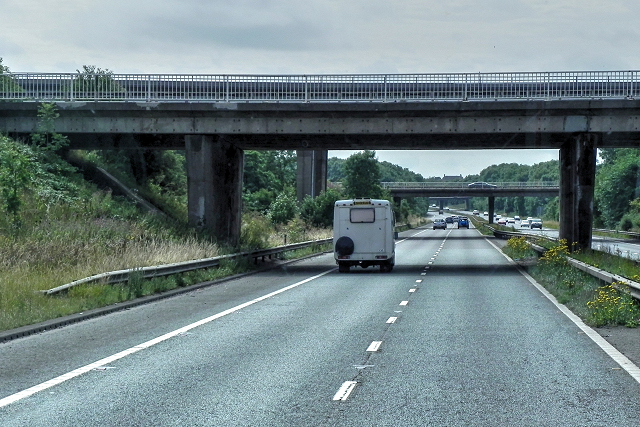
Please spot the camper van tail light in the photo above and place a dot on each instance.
(344, 257)
(381, 257)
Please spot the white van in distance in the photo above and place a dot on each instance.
(363, 234)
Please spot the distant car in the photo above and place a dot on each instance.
(482, 185)
(439, 223)
(463, 221)
(449, 220)
(476, 212)
(485, 213)
(511, 220)
(517, 218)
(502, 221)
(536, 223)
(524, 223)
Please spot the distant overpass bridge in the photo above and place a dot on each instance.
(215, 117)
(491, 190)
(462, 189)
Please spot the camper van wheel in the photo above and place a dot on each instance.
(343, 267)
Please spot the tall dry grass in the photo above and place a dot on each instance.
(56, 252)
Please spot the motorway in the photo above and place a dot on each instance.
(454, 336)
(627, 248)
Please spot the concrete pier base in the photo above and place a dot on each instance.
(492, 209)
(214, 174)
(577, 181)
(311, 176)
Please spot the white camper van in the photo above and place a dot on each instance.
(363, 234)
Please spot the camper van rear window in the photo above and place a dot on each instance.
(363, 215)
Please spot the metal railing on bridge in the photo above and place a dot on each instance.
(537, 185)
(319, 88)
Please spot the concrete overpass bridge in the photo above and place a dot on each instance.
(214, 118)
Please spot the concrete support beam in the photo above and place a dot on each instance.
(311, 176)
(214, 176)
(577, 181)
(492, 208)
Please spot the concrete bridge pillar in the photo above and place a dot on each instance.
(577, 181)
(214, 177)
(492, 208)
(311, 176)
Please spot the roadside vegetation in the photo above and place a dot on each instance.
(596, 302)
(56, 227)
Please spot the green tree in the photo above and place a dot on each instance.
(94, 82)
(335, 169)
(362, 175)
(8, 85)
(318, 211)
(15, 176)
(617, 185)
(45, 137)
(267, 173)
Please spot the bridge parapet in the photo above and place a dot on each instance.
(320, 88)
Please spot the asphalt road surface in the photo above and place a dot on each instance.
(454, 336)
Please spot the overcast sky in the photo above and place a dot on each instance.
(328, 36)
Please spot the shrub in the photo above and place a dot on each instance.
(613, 307)
(556, 255)
(283, 209)
(318, 211)
(255, 231)
(626, 223)
(518, 247)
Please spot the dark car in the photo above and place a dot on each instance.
(449, 220)
(482, 185)
(463, 221)
(535, 223)
(439, 223)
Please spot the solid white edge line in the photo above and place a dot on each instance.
(611, 351)
(345, 390)
(77, 372)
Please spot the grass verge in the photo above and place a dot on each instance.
(595, 302)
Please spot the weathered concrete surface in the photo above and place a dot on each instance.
(577, 182)
(311, 173)
(214, 174)
(330, 126)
